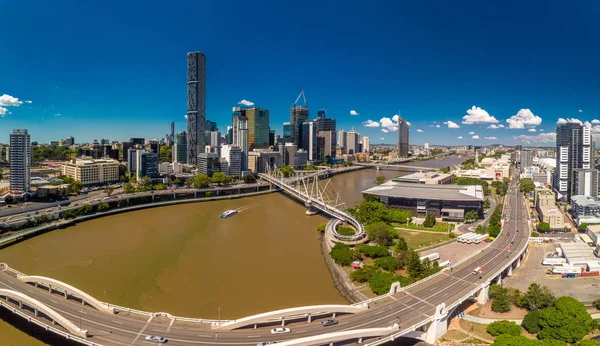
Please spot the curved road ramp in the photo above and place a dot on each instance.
(358, 334)
(38, 307)
(67, 290)
(290, 314)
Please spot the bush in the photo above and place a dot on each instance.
(345, 230)
(401, 245)
(531, 322)
(535, 234)
(429, 221)
(102, 206)
(380, 282)
(452, 235)
(321, 227)
(372, 251)
(363, 274)
(596, 303)
(343, 255)
(388, 263)
(380, 233)
(208, 194)
(504, 327)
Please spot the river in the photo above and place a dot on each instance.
(185, 260)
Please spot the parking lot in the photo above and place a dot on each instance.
(584, 289)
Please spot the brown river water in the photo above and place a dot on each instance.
(186, 261)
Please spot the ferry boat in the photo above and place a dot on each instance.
(228, 213)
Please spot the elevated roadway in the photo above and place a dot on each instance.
(420, 309)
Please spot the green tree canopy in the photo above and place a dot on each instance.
(219, 178)
(145, 184)
(343, 255)
(381, 282)
(543, 227)
(526, 185)
(201, 180)
(511, 340)
(159, 186)
(471, 215)
(537, 297)
(379, 180)
(166, 153)
(249, 179)
(429, 221)
(503, 327)
(372, 251)
(102, 206)
(473, 181)
(380, 233)
(567, 320)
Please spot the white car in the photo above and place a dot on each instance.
(280, 330)
(157, 339)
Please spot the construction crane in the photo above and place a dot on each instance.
(298, 98)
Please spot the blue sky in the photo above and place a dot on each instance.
(115, 69)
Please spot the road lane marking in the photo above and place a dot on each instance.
(141, 331)
(113, 321)
(254, 336)
(170, 324)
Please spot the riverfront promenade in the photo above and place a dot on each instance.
(414, 306)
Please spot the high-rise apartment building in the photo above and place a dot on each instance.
(172, 135)
(209, 163)
(196, 105)
(233, 155)
(403, 129)
(526, 159)
(574, 149)
(298, 115)
(20, 161)
(352, 142)
(180, 148)
(242, 140)
(342, 141)
(366, 145)
(585, 182)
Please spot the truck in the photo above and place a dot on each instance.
(479, 238)
(554, 261)
(432, 257)
(566, 270)
(559, 252)
(478, 270)
(444, 264)
(465, 237)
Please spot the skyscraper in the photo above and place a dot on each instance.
(242, 140)
(352, 142)
(403, 128)
(172, 136)
(180, 148)
(287, 132)
(342, 140)
(366, 145)
(196, 104)
(574, 149)
(326, 130)
(308, 140)
(20, 161)
(298, 115)
(258, 128)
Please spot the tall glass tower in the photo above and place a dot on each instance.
(196, 105)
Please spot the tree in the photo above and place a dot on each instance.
(429, 221)
(501, 303)
(588, 342)
(208, 194)
(401, 245)
(363, 274)
(537, 297)
(76, 187)
(145, 184)
(415, 269)
(519, 340)
(380, 233)
(128, 188)
(343, 255)
(109, 190)
(380, 282)
(159, 186)
(473, 181)
(166, 153)
(379, 180)
(596, 303)
(189, 182)
(543, 227)
(526, 185)
(567, 320)
(486, 203)
(219, 178)
(502, 189)
(102, 206)
(249, 179)
(471, 215)
(372, 251)
(201, 180)
(388, 263)
(503, 327)
(177, 182)
(531, 322)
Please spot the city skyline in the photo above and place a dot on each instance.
(520, 78)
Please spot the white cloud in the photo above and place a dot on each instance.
(494, 126)
(471, 133)
(491, 138)
(540, 138)
(353, 113)
(438, 126)
(185, 116)
(57, 114)
(595, 121)
(3, 112)
(541, 130)
(476, 115)
(523, 117)
(574, 120)
(561, 121)
(7, 100)
(531, 130)
(385, 130)
(370, 123)
(451, 124)
(581, 111)
(475, 137)
(419, 130)
(389, 124)
(246, 103)
(28, 101)
(381, 138)
(459, 137)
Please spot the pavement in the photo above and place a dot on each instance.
(405, 308)
(470, 227)
(454, 251)
(584, 289)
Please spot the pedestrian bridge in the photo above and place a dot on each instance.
(38, 307)
(67, 290)
(316, 200)
(290, 314)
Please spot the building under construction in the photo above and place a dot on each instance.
(298, 115)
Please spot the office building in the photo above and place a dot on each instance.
(287, 132)
(326, 129)
(242, 140)
(585, 182)
(366, 145)
(342, 140)
(271, 138)
(90, 171)
(288, 154)
(142, 163)
(153, 145)
(574, 149)
(229, 134)
(263, 161)
(215, 138)
(352, 143)
(69, 141)
(20, 161)
(298, 115)
(308, 140)
(209, 163)
(258, 128)
(301, 159)
(403, 129)
(584, 206)
(196, 105)
(233, 155)
(526, 159)
(180, 148)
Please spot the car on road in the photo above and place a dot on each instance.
(265, 343)
(157, 339)
(48, 210)
(76, 204)
(28, 216)
(329, 323)
(36, 213)
(280, 330)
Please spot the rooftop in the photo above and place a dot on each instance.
(594, 229)
(584, 201)
(424, 191)
(422, 177)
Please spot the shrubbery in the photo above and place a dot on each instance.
(343, 255)
(380, 282)
(388, 263)
(363, 274)
(372, 251)
(504, 327)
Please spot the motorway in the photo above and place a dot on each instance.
(405, 308)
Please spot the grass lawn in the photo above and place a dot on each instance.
(417, 240)
(439, 226)
(475, 330)
(345, 230)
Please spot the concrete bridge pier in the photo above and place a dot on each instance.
(283, 321)
(510, 269)
(439, 326)
(499, 280)
(518, 263)
(483, 295)
(152, 198)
